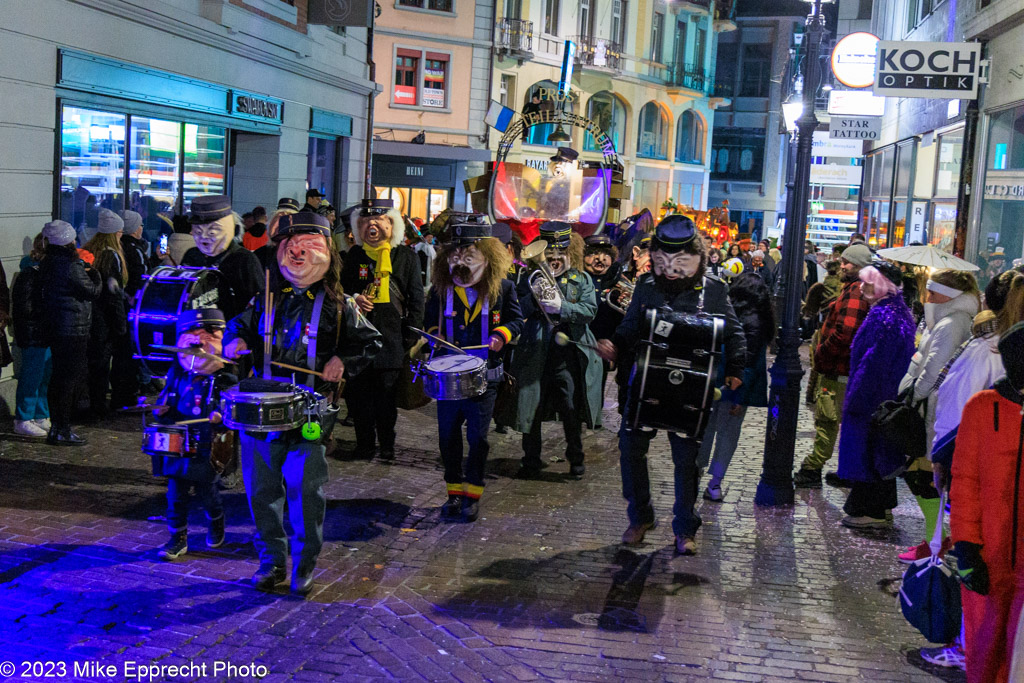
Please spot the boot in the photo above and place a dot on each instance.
(453, 506)
(175, 547)
(470, 508)
(64, 437)
(807, 479)
(215, 534)
(268, 576)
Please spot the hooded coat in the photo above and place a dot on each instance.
(751, 301)
(880, 353)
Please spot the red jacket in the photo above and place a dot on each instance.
(832, 355)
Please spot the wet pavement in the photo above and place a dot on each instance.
(537, 589)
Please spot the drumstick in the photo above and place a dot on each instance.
(478, 346)
(267, 302)
(193, 422)
(296, 368)
(561, 338)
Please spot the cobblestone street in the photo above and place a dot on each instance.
(538, 589)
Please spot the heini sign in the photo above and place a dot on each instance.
(941, 71)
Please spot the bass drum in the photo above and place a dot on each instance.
(169, 291)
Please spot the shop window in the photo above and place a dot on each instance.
(607, 111)
(416, 202)
(1002, 206)
(154, 163)
(322, 165)
(690, 138)
(737, 154)
(407, 65)
(204, 160)
(652, 141)
(92, 165)
(943, 225)
(1006, 140)
(435, 5)
(950, 154)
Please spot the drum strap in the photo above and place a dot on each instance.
(485, 318)
(314, 326)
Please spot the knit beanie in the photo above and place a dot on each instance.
(132, 221)
(109, 222)
(858, 254)
(59, 233)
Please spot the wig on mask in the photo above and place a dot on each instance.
(576, 251)
(275, 219)
(332, 278)
(498, 263)
(883, 286)
(397, 228)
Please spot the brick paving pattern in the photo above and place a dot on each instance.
(537, 589)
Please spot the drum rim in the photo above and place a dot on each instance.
(462, 357)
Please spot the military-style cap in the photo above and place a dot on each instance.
(598, 241)
(302, 223)
(208, 208)
(556, 234)
(645, 242)
(468, 233)
(673, 233)
(375, 207)
(190, 319)
(566, 154)
(501, 232)
(288, 204)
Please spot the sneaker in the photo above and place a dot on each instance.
(302, 580)
(713, 492)
(43, 423)
(685, 545)
(175, 547)
(923, 550)
(807, 479)
(215, 534)
(833, 479)
(268, 577)
(864, 522)
(65, 438)
(634, 535)
(949, 656)
(29, 428)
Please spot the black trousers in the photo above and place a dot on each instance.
(371, 403)
(100, 352)
(871, 499)
(475, 413)
(124, 372)
(558, 391)
(69, 372)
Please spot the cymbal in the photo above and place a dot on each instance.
(197, 351)
(436, 340)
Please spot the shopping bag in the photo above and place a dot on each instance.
(930, 595)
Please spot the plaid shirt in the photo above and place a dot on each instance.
(832, 356)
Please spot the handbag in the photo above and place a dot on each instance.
(506, 403)
(900, 426)
(930, 594)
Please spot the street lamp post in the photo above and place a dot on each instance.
(776, 485)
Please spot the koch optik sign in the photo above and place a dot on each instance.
(944, 71)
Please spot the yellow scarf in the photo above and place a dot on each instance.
(382, 257)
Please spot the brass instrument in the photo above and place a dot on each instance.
(542, 281)
(619, 296)
(372, 289)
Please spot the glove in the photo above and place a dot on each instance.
(972, 569)
(552, 305)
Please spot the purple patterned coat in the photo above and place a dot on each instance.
(879, 358)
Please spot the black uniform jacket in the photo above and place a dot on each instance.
(505, 318)
(388, 318)
(607, 319)
(240, 270)
(343, 332)
(716, 302)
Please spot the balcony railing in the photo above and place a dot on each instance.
(702, 5)
(598, 53)
(515, 36)
(689, 77)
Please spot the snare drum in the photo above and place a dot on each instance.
(455, 377)
(169, 441)
(276, 407)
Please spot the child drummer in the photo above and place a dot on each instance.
(192, 394)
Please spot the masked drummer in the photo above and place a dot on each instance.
(384, 276)
(678, 262)
(314, 326)
(213, 228)
(600, 260)
(471, 303)
(553, 377)
(191, 394)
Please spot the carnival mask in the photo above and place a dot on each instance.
(212, 341)
(597, 263)
(558, 260)
(304, 259)
(213, 238)
(467, 265)
(375, 230)
(674, 266)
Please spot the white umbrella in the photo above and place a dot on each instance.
(926, 255)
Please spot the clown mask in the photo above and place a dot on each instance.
(213, 238)
(212, 342)
(674, 266)
(558, 260)
(375, 230)
(467, 265)
(304, 259)
(597, 262)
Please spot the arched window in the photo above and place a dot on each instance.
(608, 112)
(652, 140)
(690, 138)
(543, 97)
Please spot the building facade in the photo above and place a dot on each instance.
(433, 61)
(643, 71)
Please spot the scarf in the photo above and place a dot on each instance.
(382, 257)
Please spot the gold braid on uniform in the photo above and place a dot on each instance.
(498, 263)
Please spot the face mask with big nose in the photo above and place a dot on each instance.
(375, 230)
(674, 266)
(304, 259)
(467, 266)
(211, 341)
(213, 238)
(597, 263)
(558, 260)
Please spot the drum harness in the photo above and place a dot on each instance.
(311, 334)
(493, 374)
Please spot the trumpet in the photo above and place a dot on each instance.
(372, 290)
(542, 281)
(619, 296)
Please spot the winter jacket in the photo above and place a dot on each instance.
(752, 302)
(832, 355)
(952, 328)
(68, 290)
(178, 245)
(28, 311)
(135, 260)
(109, 311)
(881, 351)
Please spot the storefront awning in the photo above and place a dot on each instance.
(408, 149)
